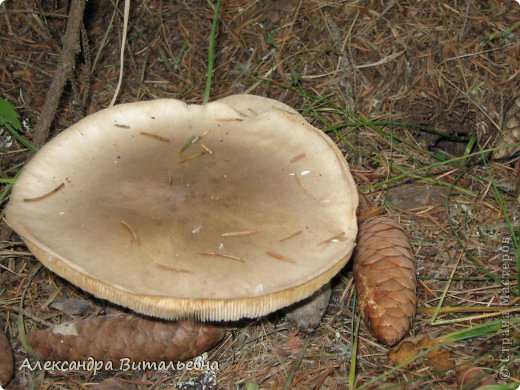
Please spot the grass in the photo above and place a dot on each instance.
(9, 185)
(211, 53)
(427, 171)
(356, 321)
(514, 235)
(486, 329)
(10, 120)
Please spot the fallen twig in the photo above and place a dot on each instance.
(66, 63)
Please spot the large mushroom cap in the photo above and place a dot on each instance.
(217, 212)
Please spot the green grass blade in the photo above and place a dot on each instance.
(479, 330)
(295, 365)
(11, 130)
(471, 143)
(9, 116)
(211, 54)
(356, 321)
(4, 180)
(10, 120)
(8, 187)
(446, 288)
(513, 239)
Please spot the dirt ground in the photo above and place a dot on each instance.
(415, 95)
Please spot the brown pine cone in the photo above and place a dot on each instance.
(114, 337)
(384, 274)
(510, 132)
(6, 360)
(472, 377)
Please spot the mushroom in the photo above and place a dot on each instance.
(218, 212)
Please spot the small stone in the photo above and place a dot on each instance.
(72, 306)
(307, 314)
(512, 123)
(407, 197)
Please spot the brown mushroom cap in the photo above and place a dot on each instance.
(256, 214)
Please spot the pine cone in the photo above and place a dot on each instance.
(384, 273)
(472, 377)
(6, 360)
(114, 337)
(510, 132)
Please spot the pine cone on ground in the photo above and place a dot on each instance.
(510, 133)
(114, 337)
(6, 360)
(384, 274)
(471, 377)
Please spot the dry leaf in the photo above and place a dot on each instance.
(6, 360)
(114, 337)
(294, 343)
(384, 273)
(405, 350)
(472, 377)
(440, 359)
(468, 376)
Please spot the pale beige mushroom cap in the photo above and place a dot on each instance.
(255, 215)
